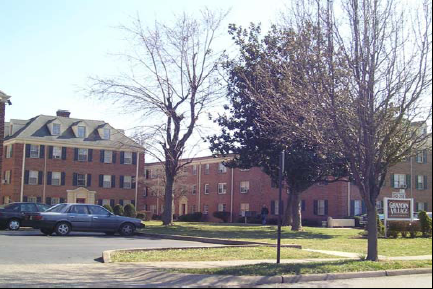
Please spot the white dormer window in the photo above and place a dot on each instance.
(56, 129)
(106, 133)
(81, 131)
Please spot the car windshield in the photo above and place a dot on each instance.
(57, 208)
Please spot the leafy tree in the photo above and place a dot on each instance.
(129, 211)
(118, 210)
(245, 132)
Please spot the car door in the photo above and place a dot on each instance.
(103, 220)
(79, 217)
(26, 210)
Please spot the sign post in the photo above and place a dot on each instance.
(397, 209)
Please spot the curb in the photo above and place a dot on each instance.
(210, 240)
(106, 255)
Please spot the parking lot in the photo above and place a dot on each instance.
(28, 247)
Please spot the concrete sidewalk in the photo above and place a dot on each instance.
(384, 258)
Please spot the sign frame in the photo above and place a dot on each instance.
(386, 210)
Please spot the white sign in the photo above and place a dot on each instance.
(399, 195)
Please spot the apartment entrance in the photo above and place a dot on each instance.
(81, 196)
(183, 206)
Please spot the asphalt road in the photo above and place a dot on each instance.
(31, 247)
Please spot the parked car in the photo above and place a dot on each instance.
(14, 216)
(62, 219)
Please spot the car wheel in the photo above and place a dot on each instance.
(110, 233)
(14, 225)
(63, 229)
(127, 230)
(47, 232)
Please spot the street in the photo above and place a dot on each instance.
(31, 247)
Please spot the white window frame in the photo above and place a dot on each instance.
(420, 157)
(222, 188)
(127, 158)
(277, 207)
(153, 174)
(321, 208)
(245, 187)
(56, 178)
(420, 185)
(420, 207)
(83, 180)
(32, 199)
(83, 157)
(206, 189)
(194, 170)
(105, 202)
(108, 157)
(399, 181)
(8, 177)
(222, 207)
(33, 177)
(82, 130)
(206, 210)
(55, 201)
(59, 126)
(245, 207)
(106, 134)
(57, 152)
(207, 169)
(194, 190)
(357, 208)
(222, 169)
(34, 151)
(106, 182)
(8, 151)
(153, 209)
(127, 182)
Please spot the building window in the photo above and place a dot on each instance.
(127, 182)
(206, 169)
(7, 179)
(277, 208)
(357, 208)
(244, 208)
(9, 152)
(206, 210)
(34, 151)
(153, 209)
(146, 192)
(55, 201)
(106, 134)
(421, 182)
(194, 189)
(222, 189)
(222, 169)
(400, 181)
(81, 180)
(57, 152)
(56, 178)
(128, 158)
(33, 177)
(108, 157)
(321, 208)
(206, 189)
(56, 129)
(245, 187)
(82, 155)
(81, 131)
(153, 174)
(105, 202)
(32, 199)
(222, 207)
(193, 209)
(107, 182)
(194, 170)
(420, 157)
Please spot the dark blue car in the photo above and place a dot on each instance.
(66, 218)
(14, 216)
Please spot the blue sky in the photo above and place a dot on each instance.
(49, 48)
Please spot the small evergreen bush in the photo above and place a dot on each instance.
(130, 211)
(118, 210)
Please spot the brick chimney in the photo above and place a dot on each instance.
(63, 113)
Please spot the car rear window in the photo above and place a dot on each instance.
(42, 208)
(96, 210)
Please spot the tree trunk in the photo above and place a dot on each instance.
(167, 218)
(372, 234)
(287, 218)
(296, 212)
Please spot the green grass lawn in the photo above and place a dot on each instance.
(345, 240)
(215, 254)
(309, 268)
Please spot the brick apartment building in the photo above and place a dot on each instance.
(213, 187)
(56, 159)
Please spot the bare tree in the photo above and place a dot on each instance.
(370, 81)
(172, 82)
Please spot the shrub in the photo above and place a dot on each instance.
(191, 218)
(311, 223)
(156, 217)
(414, 229)
(394, 229)
(130, 211)
(426, 224)
(108, 208)
(118, 210)
(380, 227)
(223, 216)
